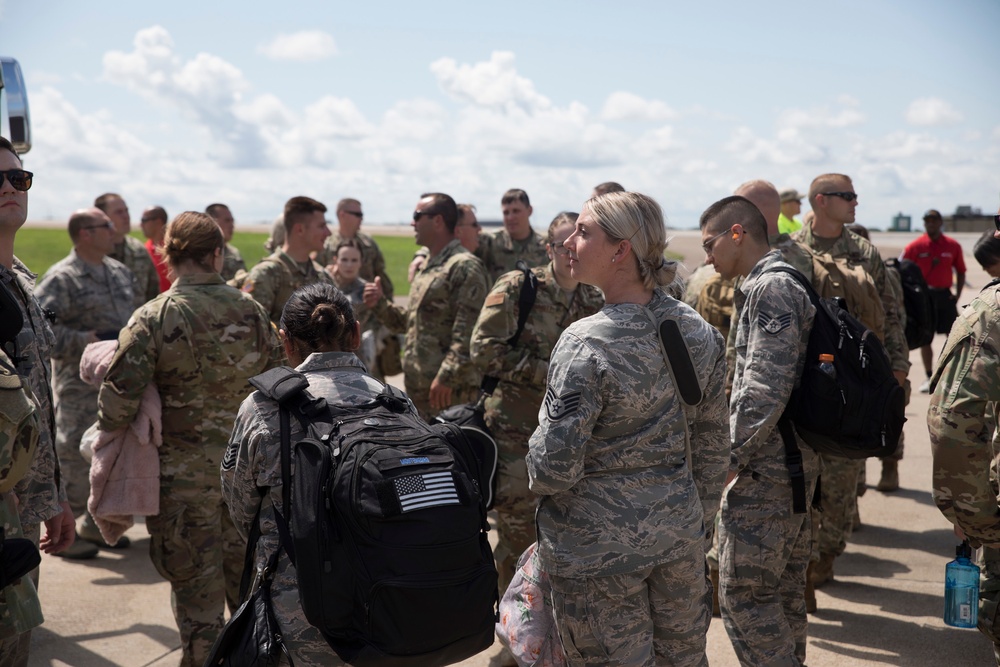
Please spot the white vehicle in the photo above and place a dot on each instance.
(15, 123)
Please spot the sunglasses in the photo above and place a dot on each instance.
(707, 245)
(108, 225)
(419, 214)
(19, 179)
(846, 196)
(357, 214)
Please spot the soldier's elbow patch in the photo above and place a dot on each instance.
(774, 325)
(495, 299)
(247, 287)
(559, 407)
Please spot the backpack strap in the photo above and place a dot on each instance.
(525, 302)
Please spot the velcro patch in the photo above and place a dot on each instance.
(496, 299)
(247, 286)
(557, 407)
(774, 325)
(229, 460)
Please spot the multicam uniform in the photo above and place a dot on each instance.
(200, 343)
(272, 281)
(512, 410)
(253, 462)
(500, 252)
(445, 299)
(372, 260)
(962, 419)
(19, 424)
(764, 547)
(85, 299)
(232, 262)
(624, 518)
(132, 253)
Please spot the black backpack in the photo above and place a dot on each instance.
(386, 526)
(920, 313)
(859, 413)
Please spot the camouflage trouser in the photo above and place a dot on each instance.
(713, 553)
(76, 411)
(515, 506)
(989, 597)
(195, 547)
(657, 616)
(14, 649)
(839, 486)
(764, 551)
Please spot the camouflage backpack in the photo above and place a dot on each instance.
(715, 303)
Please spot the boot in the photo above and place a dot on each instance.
(890, 477)
(822, 570)
(80, 550)
(810, 593)
(714, 575)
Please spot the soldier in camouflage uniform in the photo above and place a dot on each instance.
(199, 343)
(764, 547)
(629, 477)
(517, 240)
(445, 299)
(349, 217)
(833, 202)
(962, 420)
(512, 410)
(274, 279)
(92, 297)
(712, 296)
(128, 250)
(232, 260)
(253, 460)
(41, 496)
(20, 610)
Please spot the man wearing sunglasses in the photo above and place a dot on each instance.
(40, 495)
(840, 256)
(129, 250)
(92, 297)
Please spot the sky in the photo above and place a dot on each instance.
(185, 103)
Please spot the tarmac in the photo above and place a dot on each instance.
(884, 606)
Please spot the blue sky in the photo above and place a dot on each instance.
(183, 103)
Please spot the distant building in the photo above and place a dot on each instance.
(900, 223)
(967, 219)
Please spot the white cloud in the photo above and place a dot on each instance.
(931, 111)
(494, 84)
(621, 105)
(304, 46)
(849, 116)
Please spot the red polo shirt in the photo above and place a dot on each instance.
(161, 266)
(936, 259)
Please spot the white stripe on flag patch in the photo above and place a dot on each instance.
(431, 489)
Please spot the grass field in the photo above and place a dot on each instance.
(39, 248)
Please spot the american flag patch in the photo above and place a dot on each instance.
(431, 489)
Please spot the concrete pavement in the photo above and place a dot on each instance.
(884, 607)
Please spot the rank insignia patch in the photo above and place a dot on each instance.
(557, 407)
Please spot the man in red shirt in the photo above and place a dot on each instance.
(938, 256)
(154, 227)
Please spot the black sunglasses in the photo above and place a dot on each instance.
(419, 214)
(357, 214)
(846, 196)
(19, 179)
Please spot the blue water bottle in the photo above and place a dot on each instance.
(961, 589)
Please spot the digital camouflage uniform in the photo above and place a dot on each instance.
(41, 490)
(20, 610)
(500, 252)
(445, 299)
(624, 519)
(764, 547)
(85, 299)
(962, 420)
(253, 462)
(200, 343)
(272, 281)
(232, 262)
(840, 475)
(132, 253)
(512, 410)
(372, 260)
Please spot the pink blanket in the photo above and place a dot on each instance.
(125, 471)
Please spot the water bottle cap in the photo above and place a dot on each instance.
(963, 550)
(826, 358)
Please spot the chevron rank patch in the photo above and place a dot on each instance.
(557, 407)
(774, 325)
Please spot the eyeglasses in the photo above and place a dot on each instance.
(707, 245)
(419, 214)
(107, 225)
(846, 196)
(19, 179)
(357, 214)
(559, 248)
(145, 220)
